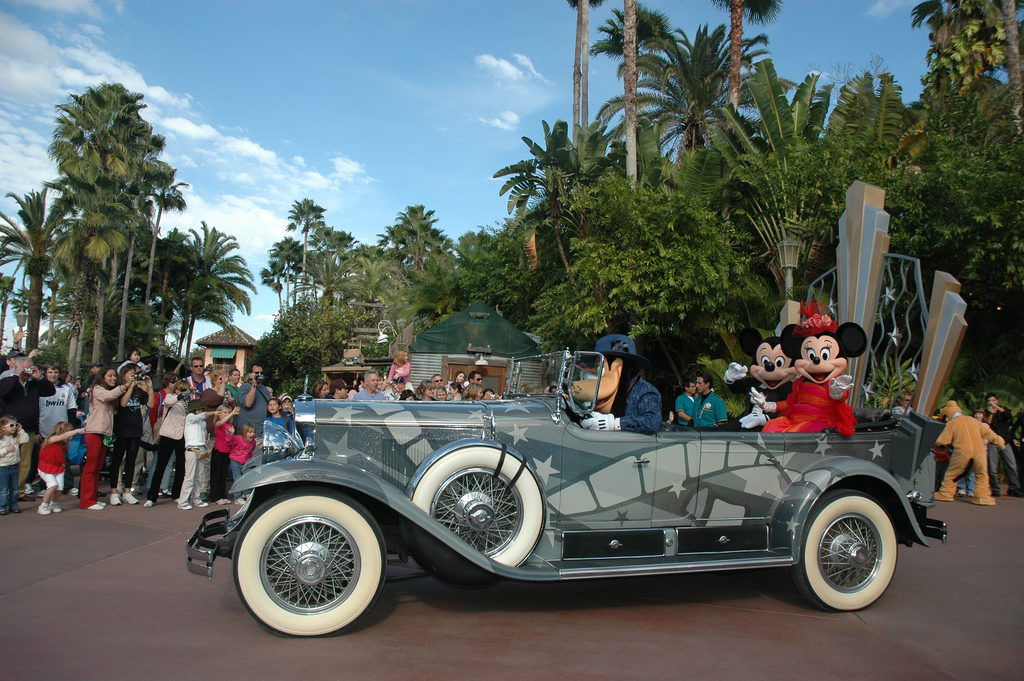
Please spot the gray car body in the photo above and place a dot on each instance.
(673, 501)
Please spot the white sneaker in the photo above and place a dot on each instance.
(239, 501)
(29, 490)
(44, 509)
(102, 503)
(54, 508)
(203, 504)
(185, 507)
(149, 504)
(96, 507)
(115, 499)
(129, 498)
(74, 492)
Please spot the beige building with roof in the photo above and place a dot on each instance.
(229, 347)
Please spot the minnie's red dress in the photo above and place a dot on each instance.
(810, 409)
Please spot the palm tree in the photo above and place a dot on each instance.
(757, 12)
(270, 276)
(219, 283)
(286, 254)
(30, 245)
(968, 40)
(581, 66)
(328, 239)
(329, 276)
(1013, 65)
(652, 28)
(99, 146)
(413, 238)
(629, 56)
(305, 216)
(6, 289)
(167, 195)
(682, 86)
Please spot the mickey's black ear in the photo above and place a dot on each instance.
(852, 339)
(790, 343)
(750, 338)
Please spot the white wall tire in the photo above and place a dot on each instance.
(848, 552)
(503, 522)
(309, 563)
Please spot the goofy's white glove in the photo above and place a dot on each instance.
(735, 372)
(839, 385)
(600, 422)
(754, 419)
(760, 401)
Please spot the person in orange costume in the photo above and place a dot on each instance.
(818, 400)
(967, 437)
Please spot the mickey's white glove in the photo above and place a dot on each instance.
(600, 422)
(759, 400)
(735, 372)
(754, 419)
(839, 385)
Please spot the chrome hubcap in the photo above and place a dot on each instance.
(849, 553)
(310, 562)
(480, 508)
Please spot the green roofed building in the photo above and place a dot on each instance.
(477, 338)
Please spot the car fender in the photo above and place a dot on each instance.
(792, 511)
(348, 479)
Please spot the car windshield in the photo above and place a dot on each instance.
(587, 368)
(534, 375)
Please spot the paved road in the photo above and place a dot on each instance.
(105, 595)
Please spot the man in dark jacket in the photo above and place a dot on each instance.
(19, 397)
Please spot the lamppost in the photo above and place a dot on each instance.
(789, 252)
(54, 286)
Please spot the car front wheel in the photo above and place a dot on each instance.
(309, 563)
(848, 552)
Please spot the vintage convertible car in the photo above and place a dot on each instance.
(477, 492)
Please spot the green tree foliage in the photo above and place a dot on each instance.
(305, 338)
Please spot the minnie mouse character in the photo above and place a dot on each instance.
(818, 400)
(771, 371)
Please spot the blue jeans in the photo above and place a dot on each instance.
(8, 487)
(236, 473)
(966, 482)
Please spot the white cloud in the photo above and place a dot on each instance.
(506, 121)
(186, 128)
(245, 147)
(71, 6)
(883, 8)
(525, 62)
(347, 170)
(502, 69)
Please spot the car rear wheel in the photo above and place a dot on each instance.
(848, 552)
(309, 563)
(499, 512)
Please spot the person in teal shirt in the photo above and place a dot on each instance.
(686, 404)
(710, 407)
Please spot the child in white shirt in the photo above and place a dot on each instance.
(195, 447)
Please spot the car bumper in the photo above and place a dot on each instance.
(204, 545)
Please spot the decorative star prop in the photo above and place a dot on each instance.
(791, 527)
(678, 488)
(914, 368)
(516, 406)
(890, 294)
(876, 451)
(896, 337)
(621, 518)
(823, 446)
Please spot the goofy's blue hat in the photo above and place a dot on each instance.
(618, 345)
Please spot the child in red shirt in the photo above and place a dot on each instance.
(51, 465)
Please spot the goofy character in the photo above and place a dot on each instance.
(818, 400)
(771, 372)
(624, 400)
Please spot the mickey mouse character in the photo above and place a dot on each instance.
(772, 372)
(818, 400)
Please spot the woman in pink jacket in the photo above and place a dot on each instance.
(99, 425)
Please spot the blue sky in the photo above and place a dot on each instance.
(366, 108)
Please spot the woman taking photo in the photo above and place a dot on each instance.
(127, 435)
(172, 441)
(98, 426)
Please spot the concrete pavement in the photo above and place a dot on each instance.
(105, 595)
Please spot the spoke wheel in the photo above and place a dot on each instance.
(309, 563)
(481, 509)
(848, 554)
(500, 519)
